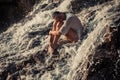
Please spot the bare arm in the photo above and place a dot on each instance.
(54, 27)
(57, 27)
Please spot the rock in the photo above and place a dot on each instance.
(30, 60)
(13, 11)
(106, 58)
(78, 5)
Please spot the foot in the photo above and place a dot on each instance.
(50, 50)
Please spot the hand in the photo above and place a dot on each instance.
(54, 32)
(50, 32)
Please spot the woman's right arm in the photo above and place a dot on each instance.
(54, 27)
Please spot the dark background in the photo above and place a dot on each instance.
(12, 11)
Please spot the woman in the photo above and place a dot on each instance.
(65, 24)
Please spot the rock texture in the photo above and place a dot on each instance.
(106, 60)
(24, 46)
(78, 5)
(13, 11)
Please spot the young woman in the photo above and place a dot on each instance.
(66, 24)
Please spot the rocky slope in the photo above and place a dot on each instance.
(23, 47)
(13, 11)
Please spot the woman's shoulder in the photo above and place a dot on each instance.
(69, 15)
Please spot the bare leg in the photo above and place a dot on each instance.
(54, 39)
(72, 36)
(53, 43)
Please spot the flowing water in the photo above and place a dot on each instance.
(25, 44)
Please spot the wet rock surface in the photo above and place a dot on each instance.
(13, 11)
(24, 49)
(106, 59)
(78, 5)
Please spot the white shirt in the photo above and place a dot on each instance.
(73, 22)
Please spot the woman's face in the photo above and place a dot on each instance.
(58, 17)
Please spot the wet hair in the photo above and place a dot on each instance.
(56, 13)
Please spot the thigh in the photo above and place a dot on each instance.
(51, 38)
(59, 25)
(72, 36)
(53, 41)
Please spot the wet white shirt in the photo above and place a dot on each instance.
(73, 22)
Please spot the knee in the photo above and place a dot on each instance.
(50, 43)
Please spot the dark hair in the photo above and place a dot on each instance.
(56, 13)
